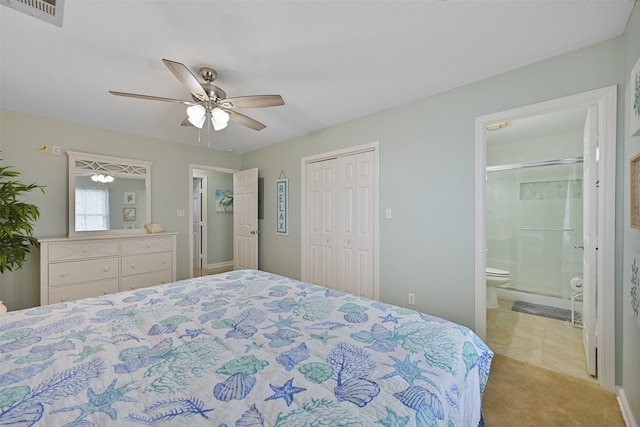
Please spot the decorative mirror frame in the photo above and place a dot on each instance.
(117, 166)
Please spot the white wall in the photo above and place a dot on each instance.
(629, 332)
(20, 139)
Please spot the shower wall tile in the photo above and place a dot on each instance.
(551, 190)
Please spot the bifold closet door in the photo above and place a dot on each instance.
(321, 202)
(340, 233)
(355, 241)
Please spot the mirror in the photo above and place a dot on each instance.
(108, 194)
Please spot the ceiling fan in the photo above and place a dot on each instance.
(209, 101)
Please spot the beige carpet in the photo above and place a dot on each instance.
(521, 394)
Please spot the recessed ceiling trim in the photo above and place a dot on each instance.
(47, 10)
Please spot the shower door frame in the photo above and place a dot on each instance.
(516, 278)
(606, 100)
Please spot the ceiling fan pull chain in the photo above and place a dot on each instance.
(209, 133)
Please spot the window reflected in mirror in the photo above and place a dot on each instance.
(101, 188)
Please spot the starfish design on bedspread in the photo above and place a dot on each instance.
(407, 370)
(86, 352)
(81, 335)
(283, 323)
(193, 333)
(286, 392)
(252, 346)
(389, 318)
(323, 337)
(242, 305)
(100, 403)
(75, 310)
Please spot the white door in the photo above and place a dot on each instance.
(321, 196)
(355, 237)
(197, 224)
(340, 212)
(245, 219)
(590, 242)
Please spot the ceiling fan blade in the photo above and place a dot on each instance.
(152, 98)
(183, 74)
(245, 120)
(254, 101)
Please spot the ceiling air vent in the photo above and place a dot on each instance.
(46, 10)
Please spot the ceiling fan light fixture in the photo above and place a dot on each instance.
(219, 118)
(196, 114)
(105, 179)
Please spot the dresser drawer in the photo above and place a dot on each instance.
(139, 281)
(64, 273)
(146, 245)
(85, 290)
(138, 264)
(82, 250)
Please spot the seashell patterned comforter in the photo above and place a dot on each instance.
(245, 348)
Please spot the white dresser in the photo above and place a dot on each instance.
(73, 268)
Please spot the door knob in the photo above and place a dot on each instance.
(579, 246)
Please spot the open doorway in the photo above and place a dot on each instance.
(211, 227)
(603, 103)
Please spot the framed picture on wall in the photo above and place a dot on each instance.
(129, 198)
(224, 200)
(129, 214)
(635, 192)
(634, 115)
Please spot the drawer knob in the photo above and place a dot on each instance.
(132, 266)
(132, 287)
(148, 245)
(64, 274)
(63, 299)
(164, 261)
(105, 269)
(106, 291)
(85, 250)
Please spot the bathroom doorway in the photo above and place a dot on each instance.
(554, 245)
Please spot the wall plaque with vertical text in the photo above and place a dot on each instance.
(282, 206)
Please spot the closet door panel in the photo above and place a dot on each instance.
(314, 222)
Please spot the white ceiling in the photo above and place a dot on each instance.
(331, 61)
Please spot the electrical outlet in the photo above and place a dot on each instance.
(55, 150)
(44, 148)
(412, 299)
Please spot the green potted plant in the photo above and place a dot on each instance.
(16, 221)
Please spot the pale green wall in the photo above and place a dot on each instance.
(426, 177)
(20, 139)
(630, 330)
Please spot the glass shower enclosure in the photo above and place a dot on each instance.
(534, 224)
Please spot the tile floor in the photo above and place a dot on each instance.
(549, 343)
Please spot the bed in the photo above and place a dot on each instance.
(245, 348)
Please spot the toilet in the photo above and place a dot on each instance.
(495, 277)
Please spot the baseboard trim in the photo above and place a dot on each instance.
(626, 410)
(224, 264)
